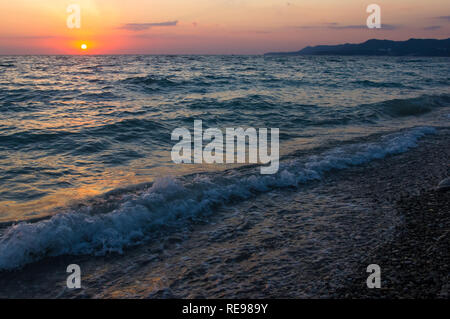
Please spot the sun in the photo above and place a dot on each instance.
(83, 46)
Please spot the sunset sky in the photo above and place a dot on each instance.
(210, 26)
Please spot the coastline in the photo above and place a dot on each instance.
(416, 263)
(389, 195)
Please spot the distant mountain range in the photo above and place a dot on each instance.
(412, 47)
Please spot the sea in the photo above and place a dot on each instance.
(85, 146)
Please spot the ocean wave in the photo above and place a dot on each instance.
(176, 202)
(123, 130)
(248, 102)
(368, 83)
(7, 65)
(150, 82)
(32, 94)
(413, 106)
(146, 126)
(100, 96)
(21, 139)
(295, 115)
(378, 112)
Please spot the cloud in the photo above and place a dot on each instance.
(433, 27)
(447, 18)
(305, 27)
(341, 27)
(259, 31)
(337, 26)
(322, 26)
(26, 37)
(146, 26)
(362, 26)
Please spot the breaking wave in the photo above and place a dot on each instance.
(175, 202)
(414, 106)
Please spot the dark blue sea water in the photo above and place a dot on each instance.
(76, 127)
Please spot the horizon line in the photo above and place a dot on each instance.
(208, 54)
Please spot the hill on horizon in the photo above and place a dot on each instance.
(375, 47)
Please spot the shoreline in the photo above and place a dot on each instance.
(396, 185)
(416, 263)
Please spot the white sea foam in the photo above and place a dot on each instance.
(172, 202)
